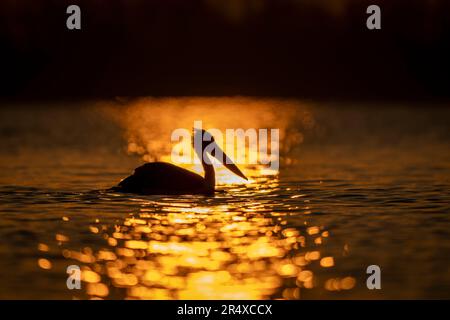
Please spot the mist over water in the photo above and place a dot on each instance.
(358, 185)
(148, 123)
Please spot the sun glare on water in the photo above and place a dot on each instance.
(235, 245)
(180, 249)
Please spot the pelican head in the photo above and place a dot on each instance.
(203, 143)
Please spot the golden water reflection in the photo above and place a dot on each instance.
(237, 245)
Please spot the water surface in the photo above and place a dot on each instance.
(370, 185)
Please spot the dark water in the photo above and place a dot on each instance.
(370, 187)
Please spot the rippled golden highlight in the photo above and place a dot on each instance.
(44, 263)
(237, 245)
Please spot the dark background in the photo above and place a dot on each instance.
(318, 49)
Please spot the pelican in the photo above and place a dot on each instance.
(163, 178)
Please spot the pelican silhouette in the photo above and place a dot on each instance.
(163, 178)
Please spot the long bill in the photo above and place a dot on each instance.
(226, 161)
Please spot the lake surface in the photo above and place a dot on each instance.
(361, 185)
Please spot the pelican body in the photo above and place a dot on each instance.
(163, 178)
